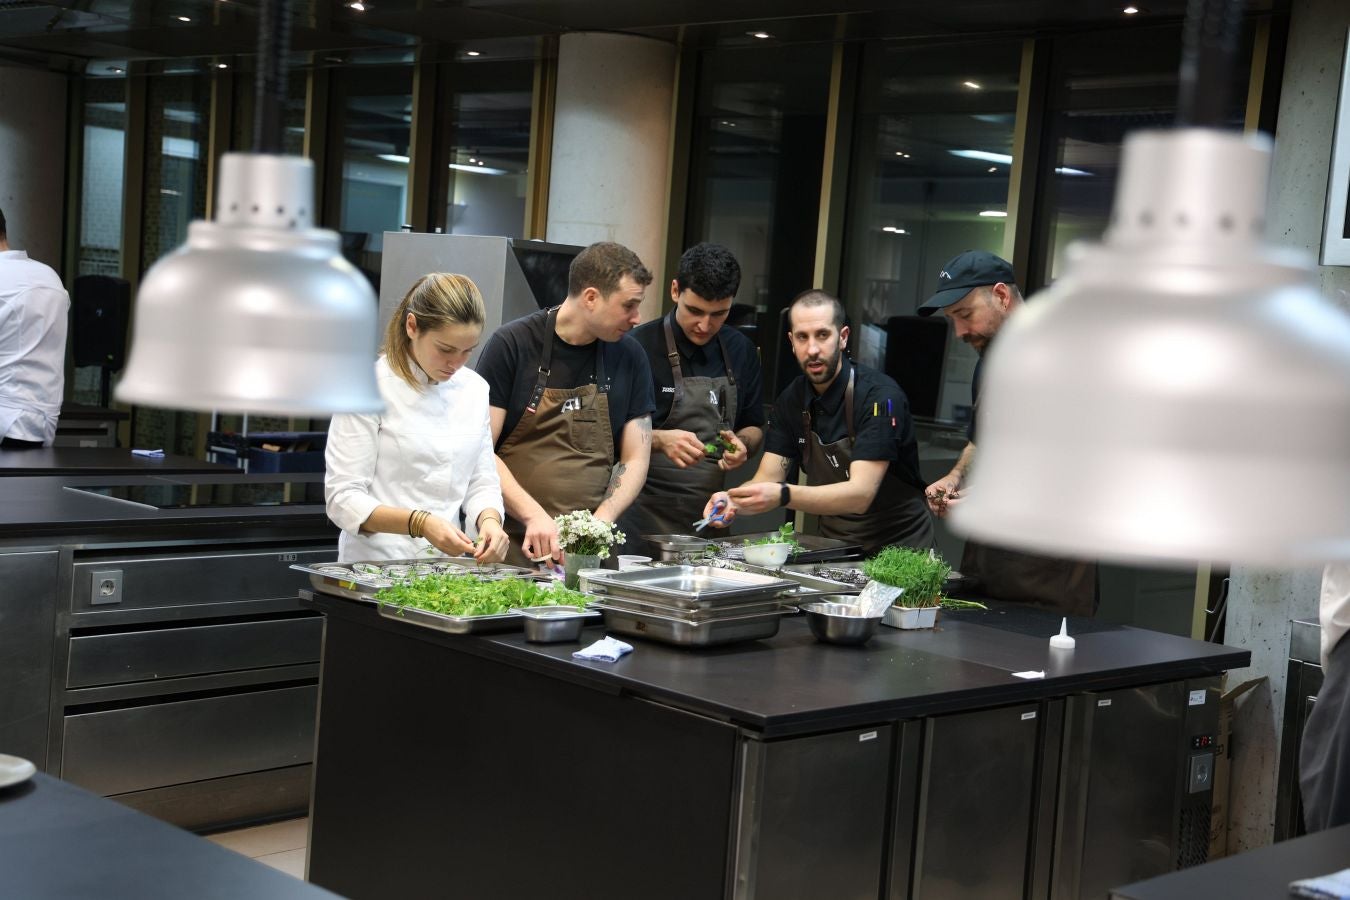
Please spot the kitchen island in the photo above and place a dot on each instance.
(916, 766)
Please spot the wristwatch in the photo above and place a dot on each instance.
(784, 495)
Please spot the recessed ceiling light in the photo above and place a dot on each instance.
(993, 168)
(973, 85)
(357, 5)
(183, 18)
(762, 35)
(472, 53)
(472, 160)
(116, 70)
(1130, 10)
(222, 65)
(993, 214)
(480, 162)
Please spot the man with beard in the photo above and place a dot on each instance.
(850, 430)
(977, 293)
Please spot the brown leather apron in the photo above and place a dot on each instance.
(562, 450)
(672, 499)
(899, 512)
(1065, 586)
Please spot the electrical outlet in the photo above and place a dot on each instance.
(105, 586)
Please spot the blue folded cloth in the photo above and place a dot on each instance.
(1335, 886)
(607, 649)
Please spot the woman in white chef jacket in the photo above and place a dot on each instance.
(398, 481)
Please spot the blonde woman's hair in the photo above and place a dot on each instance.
(436, 300)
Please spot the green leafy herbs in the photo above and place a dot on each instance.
(718, 447)
(922, 574)
(469, 595)
(953, 603)
(784, 535)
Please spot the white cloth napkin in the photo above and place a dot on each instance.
(1335, 886)
(607, 649)
(152, 453)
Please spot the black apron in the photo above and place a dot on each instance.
(899, 512)
(673, 498)
(562, 449)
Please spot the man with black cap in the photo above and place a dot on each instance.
(977, 293)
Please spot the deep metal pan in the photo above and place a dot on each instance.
(509, 621)
(684, 633)
(699, 614)
(690, 587)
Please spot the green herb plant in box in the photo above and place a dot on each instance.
(919, 575)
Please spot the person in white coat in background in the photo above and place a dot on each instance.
(33, 315)
(398, 482)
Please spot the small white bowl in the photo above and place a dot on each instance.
(767, 555)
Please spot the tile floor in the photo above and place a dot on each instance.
(281, 845)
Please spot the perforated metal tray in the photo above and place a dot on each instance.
(341, 580)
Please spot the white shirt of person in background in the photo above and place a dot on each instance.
(33, 314)
(431, 448)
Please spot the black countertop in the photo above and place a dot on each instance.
(35, 506)
(58, 840)
(102, 461)
(791, 683)
(1262, 874)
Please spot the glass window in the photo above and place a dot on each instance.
(1097, 98)
(929, 179)
(373, 120)
(755, 172)
(297, 93)
(483, 166)
(105, 140)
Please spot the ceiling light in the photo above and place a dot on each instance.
(1193, 359)
(393, 158)
(472, 159)
(222, 65)
(1130, 10)
(183, 18)
(993, 168)
(357, 5)
(480, 169)
(116, 70)
(894, 230)
(480, 162)
(974, 86)
(762, 35)
(258, 312)
(993, 214)
(983, 155)
(472, 53)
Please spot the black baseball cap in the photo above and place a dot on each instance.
(972, 269)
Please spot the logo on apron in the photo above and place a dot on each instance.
(571, 404)
(712, 397)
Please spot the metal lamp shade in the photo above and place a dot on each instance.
(1182, 393)
(258, 312)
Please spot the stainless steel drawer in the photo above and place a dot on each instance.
(195, 650)
(121, 750)
(190, 579)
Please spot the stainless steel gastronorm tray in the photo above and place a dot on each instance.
(698, 614)
(689, 587)
(684, 633)
(510, 621)
(807, 583)
(342, 580)
(813, 547)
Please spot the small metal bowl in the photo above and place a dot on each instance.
(838, 623)
(553, 624)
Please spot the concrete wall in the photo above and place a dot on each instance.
(33, 160)
(1261, 603)
(611, 147)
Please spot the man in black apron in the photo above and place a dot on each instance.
(708, 383)
(849, 428)
(977, 293)
(570, 402)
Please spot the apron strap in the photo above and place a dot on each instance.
(673, 355)
(726, 360)
(545, 363)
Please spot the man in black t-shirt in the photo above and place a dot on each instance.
(850, 430)
(570, 402)
(708, 386)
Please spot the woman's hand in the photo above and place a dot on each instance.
(445, 537)
(492, 541)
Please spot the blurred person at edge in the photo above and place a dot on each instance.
(849, 428)
(431, 449)
(977, 293)
(1324, 758)
(571, 401)
(34, 310)
(708, 384)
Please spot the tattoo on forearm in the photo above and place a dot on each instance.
(645, 426)
(615, 479)
(784, 464)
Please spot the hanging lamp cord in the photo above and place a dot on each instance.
(274, 43)
(1209, 49)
